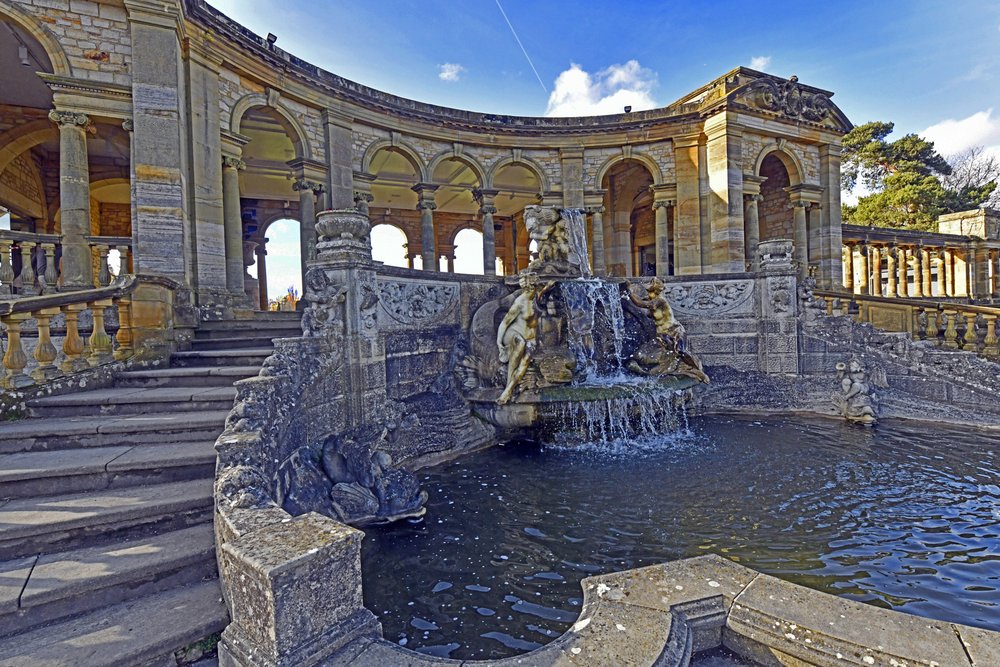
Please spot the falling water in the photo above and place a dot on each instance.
(582, 298)
(577, 226)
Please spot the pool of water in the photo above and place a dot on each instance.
(905, 516)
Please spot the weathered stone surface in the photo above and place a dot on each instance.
(982, 646)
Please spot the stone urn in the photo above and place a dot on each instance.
(344, 233)
(775, 254)
(348, 224)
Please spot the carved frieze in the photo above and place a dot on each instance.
(789, 99)
(416, 303)
(731, 296)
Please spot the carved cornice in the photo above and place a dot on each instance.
(789, 99)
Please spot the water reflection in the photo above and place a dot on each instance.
(901, 516)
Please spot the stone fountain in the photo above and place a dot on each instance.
(570, 357)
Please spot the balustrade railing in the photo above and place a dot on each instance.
(32, 317)
(29, 263)
(953, 326)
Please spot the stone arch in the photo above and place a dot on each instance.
(295, 130)
(467, 160)
(45, 37)
(525, 162)
(403, 149)
(796, 174)
(474, 225)
(23, 138)
(275, 217)
(642, 158)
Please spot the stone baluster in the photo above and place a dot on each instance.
(950, 332)
(73, 360)
(45, 351)
(931, 332)
(100, 341)
(990, 345)
(124, 336)
(15, 360)
(6, 268)
(51, 275)
(27, 269)
(123, 253)
(970, 339)
(892, 273)
(103, 272)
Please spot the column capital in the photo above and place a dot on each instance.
(232, 162)
(304, 184)
(366, 197)
(426, 206)
(69, 118)
(484, 196)
(663, 203)
(599, 209)
(425, 189)
(488, 209)
(128, 125)
(755, 198)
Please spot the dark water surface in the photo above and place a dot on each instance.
(905, 516)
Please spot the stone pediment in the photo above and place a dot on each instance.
(786, 98)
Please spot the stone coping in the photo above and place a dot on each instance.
(662, 614)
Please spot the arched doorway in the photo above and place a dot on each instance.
(517, 184)
(394, 172)
(390, 245)
(280, 282)
(456, 179)
(629, 224)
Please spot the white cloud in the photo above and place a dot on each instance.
(954, 136)
(450, 72)
(579, 93)
(760, 62)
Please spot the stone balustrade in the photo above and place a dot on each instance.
(908, 263)
(30, 263)
(953, 326)
(51, 328)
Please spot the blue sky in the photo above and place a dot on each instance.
(918, 63)
(932, 67)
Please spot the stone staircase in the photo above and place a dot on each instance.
(107, 555)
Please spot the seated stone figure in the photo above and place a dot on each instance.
(516, 335)
(666, 354)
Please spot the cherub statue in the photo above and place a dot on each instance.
(855, 399)
(546, 226)
(666, 354)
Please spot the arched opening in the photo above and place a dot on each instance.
(517, 185)
(774, 209)
(469, 251)
(456, 179)
(390, 245)
(393, 200)
(629, 225)
(281, 279)
(270, 208)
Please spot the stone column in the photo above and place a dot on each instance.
(995, 269)
(892, 272)
(942, 285)
(918, 271)
(597, 238)
(863, 277)
(74, 199)
(751, 234)
(925, 271)
(902, 266)
(724, 153)
(980, 271)
(426, 206)
(829, 233)
(488, 210)
(849, 267)
(801, 236)
(231, 166)
(308, 192)
(664, 198)
(876, 284)
(261, 251)
(949, 272)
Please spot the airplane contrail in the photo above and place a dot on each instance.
(523, 50)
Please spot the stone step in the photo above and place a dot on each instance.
(197, 376)
(51, 587)
(134, 401)
(32, 435)
(99, 468)
(235, 342)
(251, 356)
(287, 328)
(29, 526)
(140, 632)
